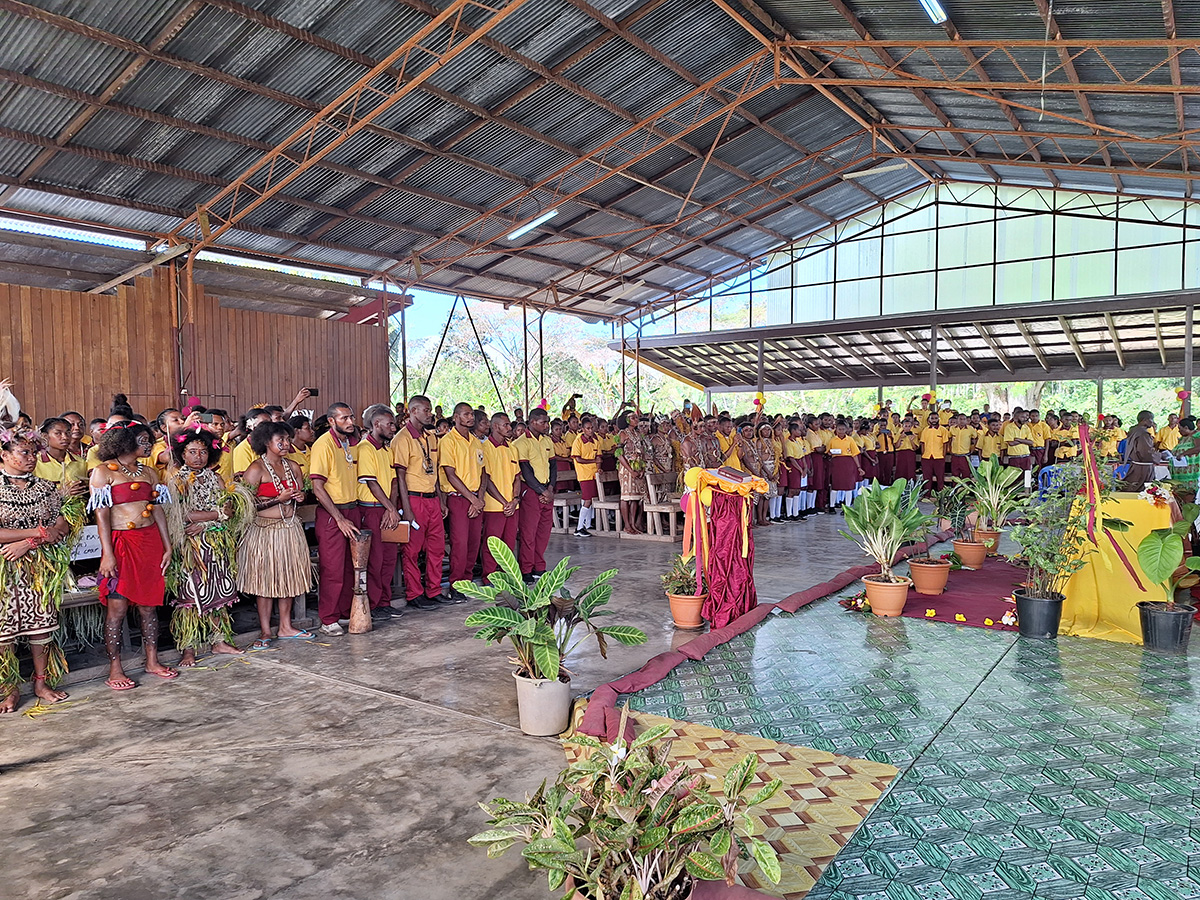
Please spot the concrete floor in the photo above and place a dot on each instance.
(346, 769)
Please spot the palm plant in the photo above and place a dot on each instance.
(880, 520)
(541, 619)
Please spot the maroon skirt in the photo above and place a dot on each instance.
(870, 469)
(906, 464)
(843, 473)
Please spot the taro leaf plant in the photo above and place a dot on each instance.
(1160, 555)
(1054, 539)
(880, 520)
(994, 491)
(625, 824)
(541, 618)
(680, 579)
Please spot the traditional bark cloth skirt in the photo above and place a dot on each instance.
(139, 553)
(25, 613)
(633, 484)
(204, 594)
(273, 559)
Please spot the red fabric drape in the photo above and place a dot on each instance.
(730, 575)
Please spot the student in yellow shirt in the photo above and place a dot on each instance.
(934, 441)
(818, 471)
(503, 490)
(962, 445)
(728, 440)
(990, 442)
(333, 470)
(302, 441)
(57, 463)
(795, 452)
(845, 466)
(535, 453)
(907, 445)
(868, 455)
(1041, 434)
(415, 459)
(585, 453)
(1068, 438)
(243, 454)
(464, 483)
(378, 501)
(1018, 445)
(1168, 436)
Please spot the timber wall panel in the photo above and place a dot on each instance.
(66, 350)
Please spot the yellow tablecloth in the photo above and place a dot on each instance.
(1102, 599)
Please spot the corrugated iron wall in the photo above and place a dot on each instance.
(66, 350)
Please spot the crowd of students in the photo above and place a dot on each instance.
(197, 508)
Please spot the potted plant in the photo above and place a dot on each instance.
(1167, 625)
(953, 506)
(680, 584)
(624, 823)
(993, 490)
(879, 521)
(540, 620)
(1054, 546)
(929, 574)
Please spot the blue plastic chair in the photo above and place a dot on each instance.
(1048, 479)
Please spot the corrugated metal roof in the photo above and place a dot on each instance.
(455, 163)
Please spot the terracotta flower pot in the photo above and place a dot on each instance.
(990, 539)
(929, 576)
(887, 598)
(685, 609)
(972, 553)
(683, 889)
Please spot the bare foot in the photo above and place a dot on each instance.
(47, 694)
(9, 703)
(222, 647)
(188, 659)
(162, 671)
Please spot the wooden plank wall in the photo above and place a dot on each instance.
(66, 350)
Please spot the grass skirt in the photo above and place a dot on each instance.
(273, 559)
(193, 630)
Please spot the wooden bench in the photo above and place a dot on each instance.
(609, 489)
(561, 516)
(661, 503)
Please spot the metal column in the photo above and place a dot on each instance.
(1188, 322)
(933, 359)
(761, 380)
(1099, 397)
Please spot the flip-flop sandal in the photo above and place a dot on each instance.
(302, 636)
(167, 675)
(261, 644)
(117, 685)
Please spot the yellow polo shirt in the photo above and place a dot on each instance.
(300, 458)
(243, 455)
(225, 465)
(944, 417)
(866, 442)
(502, 467)
(846, 446)
(933, 443)
(586, 450)
(465, 456)
(409, 452)
(989, 445)
(327, 462)
(885, 441)
(538, 453)
(796, 448)
(562, 449)
(1040, 432)
(1066, 449)
(1012, 432)
(962, 441)
(161, 468)
(733, 461)
(374, 464)
(72, 468)
(1167, 438)
(908, 441)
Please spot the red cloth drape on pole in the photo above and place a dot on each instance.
(730, 574)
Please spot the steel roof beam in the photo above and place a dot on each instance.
(1032, 344)
(1074, 342)
(958, 348)
(828, 357)
(861, 30)
(855, 354)
(871, 339)
(1177, 78)
(916, 345)
(1116, 341)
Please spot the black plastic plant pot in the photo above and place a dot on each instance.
(1038, 617)
(1164, 629)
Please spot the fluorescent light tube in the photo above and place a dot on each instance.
(934, 10)
(529, 226)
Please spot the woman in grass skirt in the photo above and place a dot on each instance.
(35, 556)
(205, 520)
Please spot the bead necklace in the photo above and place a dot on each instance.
(279, 487)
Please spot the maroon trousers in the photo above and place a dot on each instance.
(381, 565)
(465, 534)
(934, 473)
(430, 537)
(497, 524)
(887, 467)
(906, 465)
(335, 566)
(960, 467)
(536, 519)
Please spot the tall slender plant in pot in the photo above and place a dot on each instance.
(541, 621)
(1167, 626)
(994, 491)
(880, 520)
